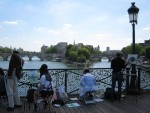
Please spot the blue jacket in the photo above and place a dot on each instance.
(88, 80)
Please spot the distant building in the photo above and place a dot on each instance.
(97, 48)
(107, 49)
(146, 43)
(61, 47)
(79, 45)
(43, 48)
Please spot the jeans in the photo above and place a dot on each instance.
(117, 76)
(12, 91)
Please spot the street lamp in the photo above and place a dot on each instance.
(133, 15)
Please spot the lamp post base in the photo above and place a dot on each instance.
(133, 89)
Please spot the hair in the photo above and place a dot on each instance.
(16, 52)
(44, 71)
(119, 54)
(1, 72)
(86, 70)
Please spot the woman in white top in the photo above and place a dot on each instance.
(45, 87)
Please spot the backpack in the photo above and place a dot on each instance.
(30, 95)
(108, 94)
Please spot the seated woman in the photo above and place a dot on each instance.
(2, 83)
(45, 88)
(87, 83)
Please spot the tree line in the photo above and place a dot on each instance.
(74, 53)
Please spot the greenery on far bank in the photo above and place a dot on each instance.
(82, 54)
(140, 50)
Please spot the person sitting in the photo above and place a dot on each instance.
(87, 83)
(45, 88)
(2, 82)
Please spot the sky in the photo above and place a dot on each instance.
(30, 24)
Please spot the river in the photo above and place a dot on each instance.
(54, 65)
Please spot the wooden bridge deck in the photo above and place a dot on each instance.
(129, 105)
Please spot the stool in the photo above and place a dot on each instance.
(88, 98)
(47, 96)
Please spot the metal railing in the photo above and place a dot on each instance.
(70, 78)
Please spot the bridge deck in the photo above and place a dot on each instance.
(129, 105)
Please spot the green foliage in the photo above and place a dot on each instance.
(97, 52)
(90, 48)
(128, 50)
(67, 50)
(81, 59)
(51, 49)
(5, 50)
(147, 52)
(73, 55)
(84, 52)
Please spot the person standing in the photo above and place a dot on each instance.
(117, 65)
(15, 67)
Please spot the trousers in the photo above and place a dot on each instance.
(117, 76)
(12, 90)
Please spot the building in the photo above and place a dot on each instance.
(79, 45)
(61, 47)
(107, 49)
(146, 43)
(43, 48)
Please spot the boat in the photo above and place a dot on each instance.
(58, 59)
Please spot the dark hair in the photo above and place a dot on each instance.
(119, 54)
(16, 52)
(43, 69)
(86, 70)
(1, 72)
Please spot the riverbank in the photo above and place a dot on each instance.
(55, 65)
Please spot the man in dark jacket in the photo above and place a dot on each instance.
(117, 64)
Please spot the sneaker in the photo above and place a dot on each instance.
(10, 109)
(18, 106)
(35, 107)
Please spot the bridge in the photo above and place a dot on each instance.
(46, 56)
(100, 56)
(50, 56)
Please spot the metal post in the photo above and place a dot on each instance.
(66, 76)
(133, 66)
(133, 42)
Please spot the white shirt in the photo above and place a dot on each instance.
(45, 82)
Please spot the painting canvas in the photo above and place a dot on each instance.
(132, 58)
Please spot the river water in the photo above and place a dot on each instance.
(54, 65)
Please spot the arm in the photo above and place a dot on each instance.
(42, 81)
(82, 82)
(11, 65)
(94, 80)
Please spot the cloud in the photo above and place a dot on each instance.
(15, 22)
(146, 28)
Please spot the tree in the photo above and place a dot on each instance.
(128, 50)
(81, 59)
(85, 52)
(51, 49)
(147, 52)
(5, 50)
(73, 55)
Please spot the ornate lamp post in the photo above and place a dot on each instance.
(133, 15)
